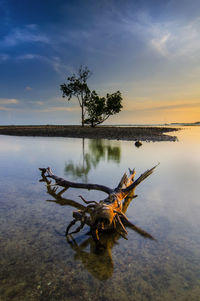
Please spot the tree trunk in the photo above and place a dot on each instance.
(82, 115)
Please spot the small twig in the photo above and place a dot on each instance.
(87, 202)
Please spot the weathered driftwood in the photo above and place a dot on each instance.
(108, 214)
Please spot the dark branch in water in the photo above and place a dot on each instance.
(64, 183)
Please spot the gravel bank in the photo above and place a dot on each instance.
(106, 132)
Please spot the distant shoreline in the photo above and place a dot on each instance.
(101, 132)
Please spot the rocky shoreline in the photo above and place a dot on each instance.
(101, 132)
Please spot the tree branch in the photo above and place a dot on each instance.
(140, 179)
(64, 183)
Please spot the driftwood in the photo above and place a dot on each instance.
(103, 216)
(95, 256)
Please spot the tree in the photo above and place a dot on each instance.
(94, 109)
(100, 108)
(77, 86)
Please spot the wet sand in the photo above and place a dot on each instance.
(101, 132)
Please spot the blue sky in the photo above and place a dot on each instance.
(149, 50)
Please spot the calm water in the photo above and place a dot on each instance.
(38, 263)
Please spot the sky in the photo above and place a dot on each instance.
(147, 49)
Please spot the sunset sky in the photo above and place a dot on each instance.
(149, 50)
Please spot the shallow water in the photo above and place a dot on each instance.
(37, 262)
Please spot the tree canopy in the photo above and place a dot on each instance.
(94, 109)
(100, 108)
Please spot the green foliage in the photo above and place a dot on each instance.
(77, 84)
(100, 108)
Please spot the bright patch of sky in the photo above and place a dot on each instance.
(148, 49)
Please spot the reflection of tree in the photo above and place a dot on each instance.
(114, 154)
(103, 149)
(98, 149)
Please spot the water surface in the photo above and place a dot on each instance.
(37, 262)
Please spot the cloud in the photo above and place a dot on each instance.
(160, 44)
(25, 34)
(4, 57)
(28, 88)
(56, 109)
(4, 109)
(40, 103)
(54, 61)
(174, 39)
(8, 101)
(176, 106)
(168, 38)
(35, 104)
(28, 56)
(167, 107)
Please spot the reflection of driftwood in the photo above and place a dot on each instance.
(105, 215)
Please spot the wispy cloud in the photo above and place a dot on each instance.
(35, 109)
(160, 44)
(167, 107)
(28, 56)
(26, 34)
(168, 38)
(28, 88)
(4, 57)
(54, 61)
(176, 106)
(8, 101)
(7, 104)
(4, 109)
(174, 39)
(56, 109)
